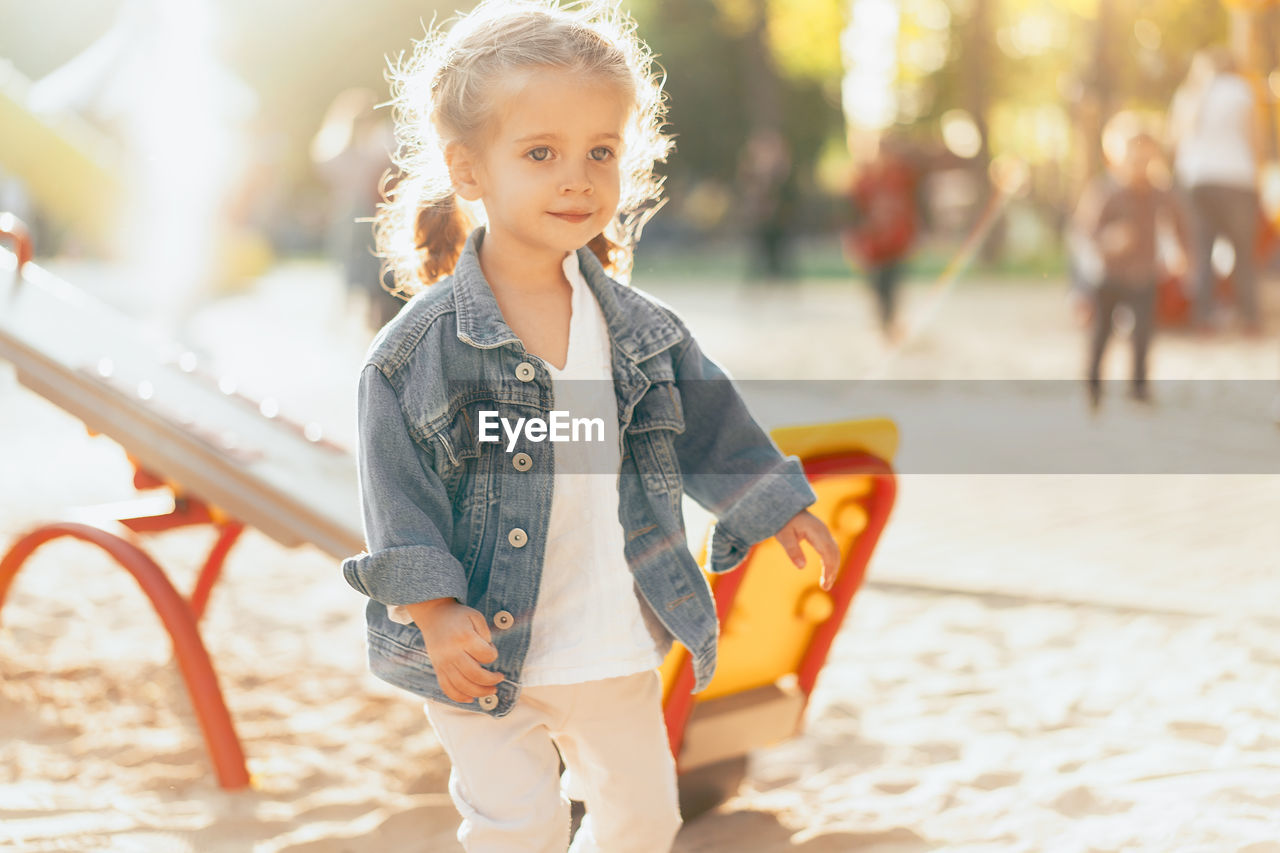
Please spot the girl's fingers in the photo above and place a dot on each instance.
(491, 677)
(450, 689)
(830, 552)
(821, 540)
(480, 625)
(791, 544)
(456, 695)
(477, 674)
(829, 570)
(472, 681)
(482, 650)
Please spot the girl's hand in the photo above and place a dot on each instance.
(458, 642)
(810, 528)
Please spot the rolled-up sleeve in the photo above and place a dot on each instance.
(729, 464)
(408, 518)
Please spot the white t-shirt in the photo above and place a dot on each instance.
(590, 621)
(1216, 148)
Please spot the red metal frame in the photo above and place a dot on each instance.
(180, 616)
(13, 228)
(878, 503)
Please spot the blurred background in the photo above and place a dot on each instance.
(209, 140)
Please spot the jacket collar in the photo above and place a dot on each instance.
(637, 326)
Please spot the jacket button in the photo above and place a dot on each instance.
(524, 371)
(522, 461)
(517, 537)
(503, 619)
(489, 702)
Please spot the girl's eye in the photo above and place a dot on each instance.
(602, 153)
(539, 154)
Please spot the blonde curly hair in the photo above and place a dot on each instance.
(446, 92)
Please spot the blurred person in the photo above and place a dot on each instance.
(352, 152)
(886, 219)
(530, 597)
(764, 175)
(1121, 215)
(1215, 132)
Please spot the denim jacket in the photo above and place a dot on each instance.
(446, 515)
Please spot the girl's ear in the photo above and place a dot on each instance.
(464, 171)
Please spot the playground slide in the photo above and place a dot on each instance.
(173, 419)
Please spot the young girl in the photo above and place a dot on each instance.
(529, 587)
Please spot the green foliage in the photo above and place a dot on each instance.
(706, 98)
(703, 45)
(1036, 63)
(805, 38)
(1053, 52)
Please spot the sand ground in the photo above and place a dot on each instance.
(1062, 662)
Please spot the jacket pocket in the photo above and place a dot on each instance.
(657, 418)
(659, 408)
(457, 438)
(455, 453)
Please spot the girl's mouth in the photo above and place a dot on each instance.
(576, 218)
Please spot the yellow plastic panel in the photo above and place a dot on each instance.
(778, 606)
(877, 436)
(770, 628)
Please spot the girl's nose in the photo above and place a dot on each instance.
(575, 179)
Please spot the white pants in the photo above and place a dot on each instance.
(505, 777)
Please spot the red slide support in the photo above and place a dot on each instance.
(12, 228)
(179, 616)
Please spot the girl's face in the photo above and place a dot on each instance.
(548, 174)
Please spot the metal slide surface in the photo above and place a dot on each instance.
(155, 399)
